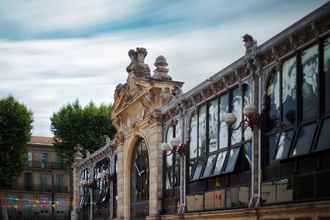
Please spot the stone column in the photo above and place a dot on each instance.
(155, 164)
(75, 192)
(120, 183)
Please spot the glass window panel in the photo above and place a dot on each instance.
(198, 171)
(44, 160)
(219, 163)
(310, 65)
(213, 126)
(202, 130)
(178, 129)
(169, 171)
(327, 74)
(284, 144)
(223, 131)
(273, 100)
(232, 159)
(248, 152)
(169, 134)
(192, 164)
(176, 177)
(272, 145)
(304, 140)
(236, 135)
(289, 99)
(247, 99)
(193, 137)
(209, 165)
(324, 139)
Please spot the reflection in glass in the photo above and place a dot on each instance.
(213, 126)
(169, 171)
(304, 140)
(223, 131)
(176, 175)
(248, 152)
(219, 163)
(247, 100)
(232, 159)
(310, 65)
(178, 129)
(193, 137)
(272, 145)
(273, 100)
(289, 99)
(198, 171)
(202, 130)
(169, 134)
(327, 74)
(209, 165)
(284, 144)
(191, 168)
(236, 135)
(324, 139)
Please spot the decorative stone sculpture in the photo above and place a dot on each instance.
(251, 47)
(137, 66)
(161, 71)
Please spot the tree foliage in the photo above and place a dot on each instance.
(15, 132)
(74, 125)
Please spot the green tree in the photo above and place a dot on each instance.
(15, 132)
(74, 125)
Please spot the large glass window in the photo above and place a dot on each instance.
(224, 154)
(193, 145)
(292, 161)
(273, 100)
(310, 65)
(326, 69)
(223, 131)
(289, 88)
(236, 103)
(213, 126)
(202, 130)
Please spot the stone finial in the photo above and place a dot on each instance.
(137, 65)
(161, 71)
(78, 155)
(250, 44)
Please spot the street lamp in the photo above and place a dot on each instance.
(175, 146)
(251, 120)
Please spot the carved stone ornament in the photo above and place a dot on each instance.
(119, 138)
(251, 47)
(137, 66)
(156, 115)
(161, 71)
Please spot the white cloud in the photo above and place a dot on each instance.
(61, 15)
(46, 74)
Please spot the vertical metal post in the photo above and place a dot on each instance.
(91, 194)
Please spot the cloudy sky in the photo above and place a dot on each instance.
(56, 51)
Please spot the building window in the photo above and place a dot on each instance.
(220, 141)
(60, 186)
(223, 152)
(29, 159)
(44, 160)
(84, 189)
(44, 183)
(28, 181)
(326, 69)
(292, 141)
(172, 168)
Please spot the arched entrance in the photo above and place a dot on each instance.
(140, 181)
